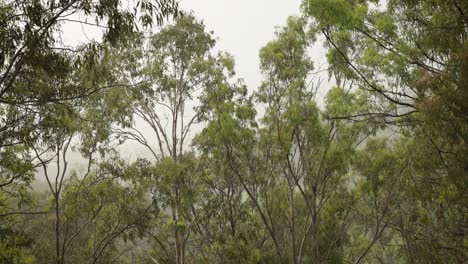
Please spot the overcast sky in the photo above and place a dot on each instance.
(243, 27)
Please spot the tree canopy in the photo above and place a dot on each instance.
(377, 173)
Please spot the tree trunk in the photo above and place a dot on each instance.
(292, 223)
(315, 239)
(178, 248)
(57, 229)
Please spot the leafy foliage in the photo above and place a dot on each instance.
(377, 174)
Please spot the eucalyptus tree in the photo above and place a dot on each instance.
(295, 165)
(32, 55)
(35, 75)
(230, 227)
(311, 152)
(84, 124)
(102, 228)
(171, 82)
(230, 116)
(175, 70)
(410, 58)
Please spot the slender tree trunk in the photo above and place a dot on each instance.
(315, 228)
(57, 228)
(292, 223)
(315, 239)
(178, 247)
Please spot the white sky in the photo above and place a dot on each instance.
(243, 27)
